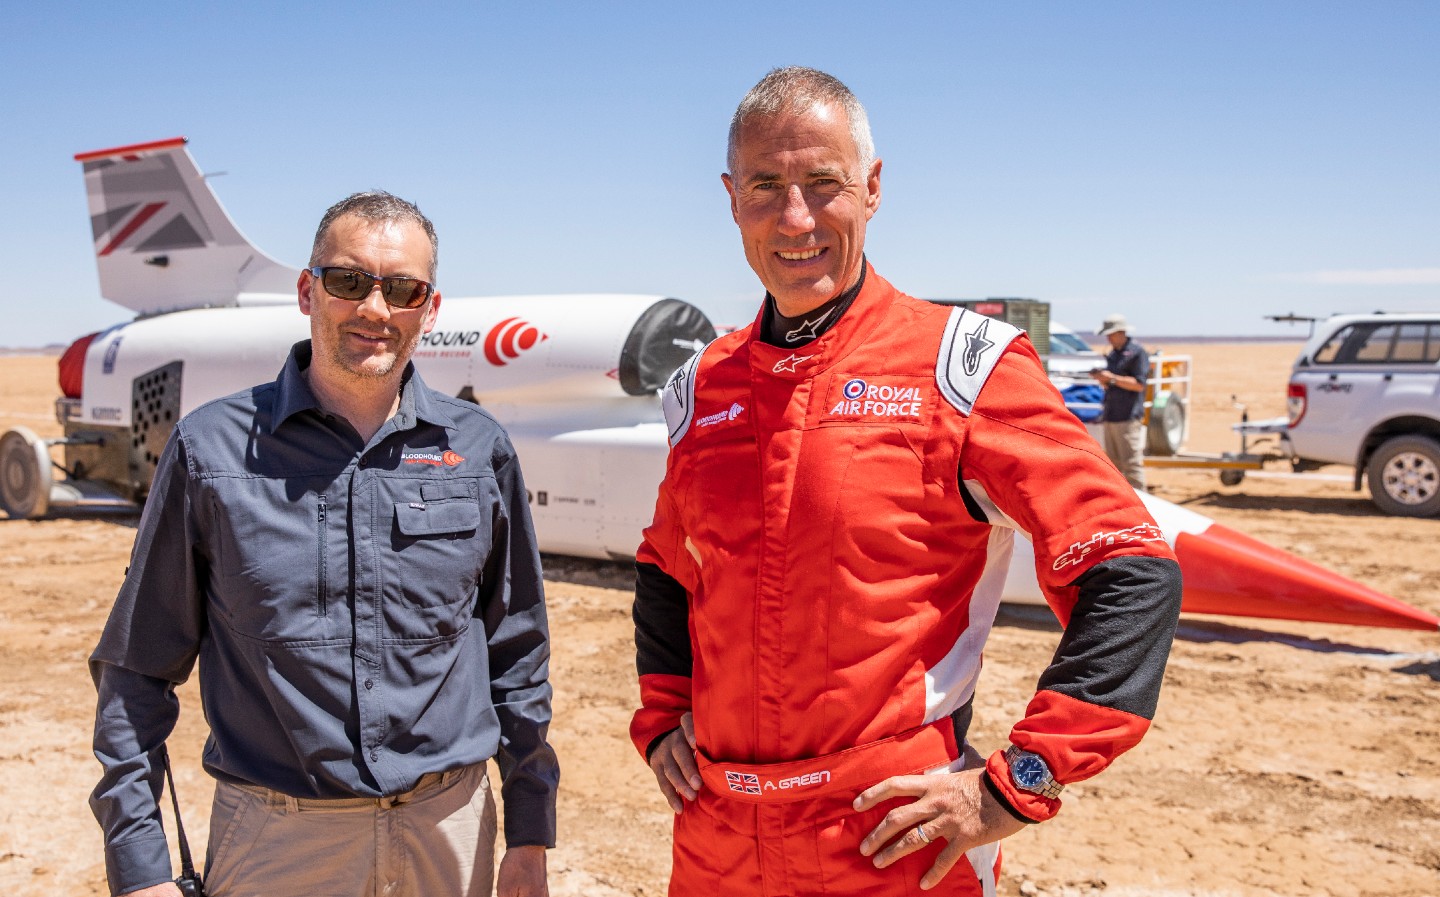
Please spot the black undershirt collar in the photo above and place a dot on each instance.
(791, 333)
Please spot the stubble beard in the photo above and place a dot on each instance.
(364, 369)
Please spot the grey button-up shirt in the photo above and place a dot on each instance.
(363, 614)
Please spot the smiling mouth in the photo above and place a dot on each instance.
(800, 255)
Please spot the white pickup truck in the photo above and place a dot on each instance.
(1365, 391)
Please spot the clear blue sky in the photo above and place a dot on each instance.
(1195, 165)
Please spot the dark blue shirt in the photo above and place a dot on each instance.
(1130, 360)
(363, 614)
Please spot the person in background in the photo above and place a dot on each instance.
(1127, 366)
(349, 555)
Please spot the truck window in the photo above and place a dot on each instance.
(1330, 352)
(1375, 347)
(1410, 344)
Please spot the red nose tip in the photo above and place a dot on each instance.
(1227, 572)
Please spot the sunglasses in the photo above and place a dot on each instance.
(354, 285)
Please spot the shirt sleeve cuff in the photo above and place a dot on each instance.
(530, 820)
(139, 863)
(1033, 807)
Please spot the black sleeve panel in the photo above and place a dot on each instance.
(1113, 652)
(662, 623)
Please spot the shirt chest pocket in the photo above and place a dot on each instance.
(439, 540)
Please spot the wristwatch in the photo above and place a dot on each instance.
(1031, 773)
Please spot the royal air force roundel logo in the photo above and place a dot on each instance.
(877, 399)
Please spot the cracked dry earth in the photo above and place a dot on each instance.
(1286, 758)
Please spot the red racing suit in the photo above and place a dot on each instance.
(828, 552)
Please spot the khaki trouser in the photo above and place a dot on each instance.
(436, 839)
(1125, 444)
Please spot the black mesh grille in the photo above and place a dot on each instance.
(667, 334)
(154, 411)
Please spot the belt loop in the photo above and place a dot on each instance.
(292, 805)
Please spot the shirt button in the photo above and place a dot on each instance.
(374, 756)
(369, 684)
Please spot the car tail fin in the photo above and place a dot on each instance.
(162, 240)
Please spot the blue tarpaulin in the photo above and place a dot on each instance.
(1083, 400)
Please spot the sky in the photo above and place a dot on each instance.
(1194, 165)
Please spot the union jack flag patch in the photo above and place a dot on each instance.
(743, 782)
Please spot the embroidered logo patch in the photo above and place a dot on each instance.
(1144, 532)
(788, 364)
(877, 399)
(743, 782)
(721, 417)
(446, 458)
(750, 783)
(975, 346)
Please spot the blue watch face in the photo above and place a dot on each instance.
(1030, 771)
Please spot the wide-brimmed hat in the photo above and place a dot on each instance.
(1115, 324)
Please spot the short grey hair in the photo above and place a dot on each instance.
(378, 207)
(796, 89)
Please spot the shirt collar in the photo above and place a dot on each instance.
(293, 394)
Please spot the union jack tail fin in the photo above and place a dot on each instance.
(162, 240)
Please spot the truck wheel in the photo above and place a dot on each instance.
(25, 476)
(1404, 476)
(1165, 434)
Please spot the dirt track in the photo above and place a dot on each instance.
(1287, 758)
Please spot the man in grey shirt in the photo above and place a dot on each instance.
(350, 557)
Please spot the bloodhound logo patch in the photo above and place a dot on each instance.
(446, 458)
(720, 417)
(876, 399)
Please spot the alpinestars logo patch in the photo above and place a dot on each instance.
(808, 329)
(788, 364)
(1144, 532)
(975, 346)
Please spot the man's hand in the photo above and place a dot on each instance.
(955, 806)
(522, 873)
(673, 762)
(164, 889)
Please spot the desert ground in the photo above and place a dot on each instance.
(1286, 758)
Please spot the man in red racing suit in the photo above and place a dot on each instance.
(826, 559)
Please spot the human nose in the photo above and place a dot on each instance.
(795, 217)
(373, 307)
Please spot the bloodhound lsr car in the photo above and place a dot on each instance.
(575, 380)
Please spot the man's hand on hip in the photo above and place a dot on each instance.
(955, 806)
(522, 873)
(673, 762)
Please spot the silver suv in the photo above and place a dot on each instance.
(1365, 391)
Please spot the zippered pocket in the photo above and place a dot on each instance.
(321, 585)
